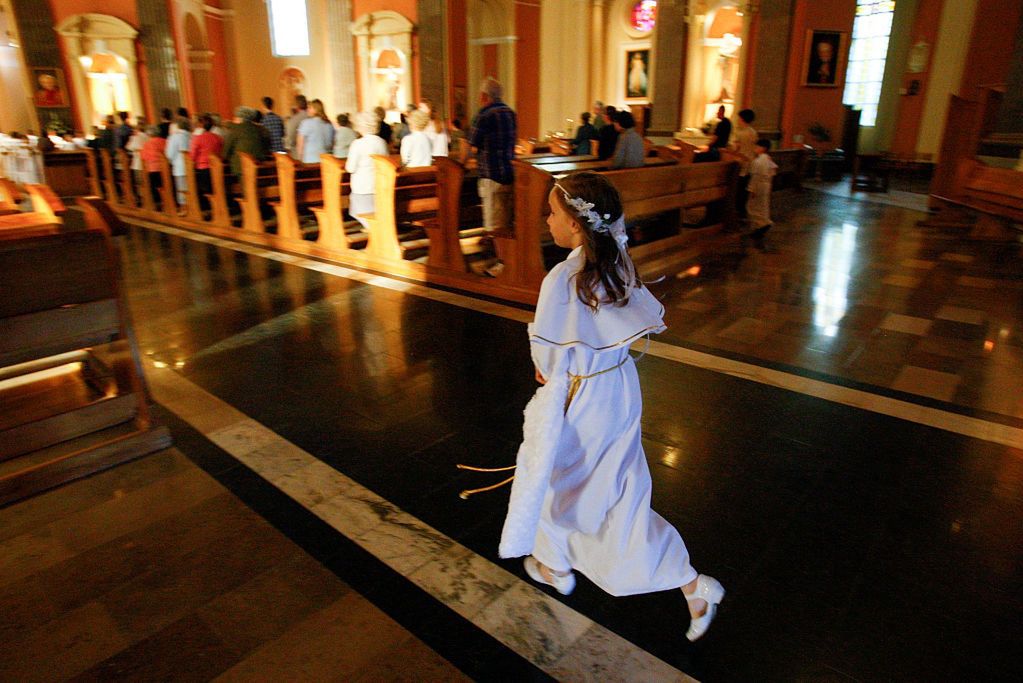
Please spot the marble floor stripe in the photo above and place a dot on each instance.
(925, 415)
(551, 635)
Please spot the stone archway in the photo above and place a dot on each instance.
(100, 50)
(290, 84)
(384, 42)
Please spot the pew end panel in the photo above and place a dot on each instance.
(70, 374)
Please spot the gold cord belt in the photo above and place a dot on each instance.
(574, 381)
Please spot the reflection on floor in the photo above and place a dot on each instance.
(852, 544)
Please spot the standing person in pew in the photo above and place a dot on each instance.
(165, 122)
(718, 140)
(629, 151)
(745, 146)
(134, 147)
(299, 114)
(180, 142)
(585, 133)
(580, 498)
(435, 129)
(762, 172)
(360, 165)
(205, 143)
(315, 135)
(416, 147)
(152, 152)
(384, 130)
(245, 136)
(274, 125)
(598, 115)
(607, 137)
(493, 136)
(343, 135)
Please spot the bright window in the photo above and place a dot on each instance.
(289, 27)
(871, 30)
(644, 15)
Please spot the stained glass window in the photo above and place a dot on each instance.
(871, 30)
(644, 15)
(289, 27)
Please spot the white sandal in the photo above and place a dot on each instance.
(710, 591)
(564, 584)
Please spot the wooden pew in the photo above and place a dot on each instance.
(93, 167)
(411, 194)
(99, 216)
(168, 198)
(543, 159)
(68, 338)
(330, 216)
(10, 196)
(66, 172)
(127, 185)
(458, 206)
(600, 165)
(109, 180)
(995, 194)
(45, 201)
(298, 188)
(220, 211)
(258, 184)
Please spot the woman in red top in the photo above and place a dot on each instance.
(152, 153)
(205, 143)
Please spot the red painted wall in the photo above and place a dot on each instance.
(406, 8)
(991, 45)
(222, 91)
(122, 9)
(527, 67)
(911, 107)
(805, 105)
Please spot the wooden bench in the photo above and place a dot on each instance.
(70, 371)
(92, 167)
(220, 211)
(459, 217)
(996, 194)
(299, 189)
(330, 216)
(109, 179)
(410, 194)
(10, 196)
(67, 172)
(258, 188)
(127, 197)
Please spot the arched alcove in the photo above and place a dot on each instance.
(291, 83)
(384, 52)
(491, 33)
(104, 71)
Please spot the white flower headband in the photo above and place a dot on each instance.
(598, 223)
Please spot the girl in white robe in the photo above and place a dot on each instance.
(581, 493)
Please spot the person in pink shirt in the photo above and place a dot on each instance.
(205, 144)
(152, 152)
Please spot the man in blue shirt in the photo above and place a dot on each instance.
(493, 137)
(274, 125)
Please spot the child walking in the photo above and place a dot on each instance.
(758, 206)
(581, 495)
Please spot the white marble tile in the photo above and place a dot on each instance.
(907, 324)
(462, 580)
(312, 483)
(404, 543)
(535, 625)
(242, 437)
(924, 382)
(970, 316)
(602, 656)
(354, 511)
(277, 459)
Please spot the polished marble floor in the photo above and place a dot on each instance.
(855, 545)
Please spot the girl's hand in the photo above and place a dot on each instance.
(539, 378)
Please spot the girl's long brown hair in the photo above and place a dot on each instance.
(317, 107)
(602, 265)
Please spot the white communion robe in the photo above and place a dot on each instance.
(758, 206)
(581, 495)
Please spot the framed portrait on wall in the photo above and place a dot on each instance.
(637, 74)
(50, 89)
(823, 58)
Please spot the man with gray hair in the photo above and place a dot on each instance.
(246, 136)
(598, 121)
(493, 138)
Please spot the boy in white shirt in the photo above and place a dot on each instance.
(758, 207)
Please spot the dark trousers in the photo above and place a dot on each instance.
(204, 186)
(155, 182)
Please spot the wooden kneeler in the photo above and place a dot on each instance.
(73, 399)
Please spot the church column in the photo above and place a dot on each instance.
(40, 48)
(766, 60)
(342, 54)
(527, 67)
(669, 66)
(597, 40)
(433, 63)
(157, 40)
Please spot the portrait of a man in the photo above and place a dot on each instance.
(49, 88)
(823, 56)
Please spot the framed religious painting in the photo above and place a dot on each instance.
(50, 89)
(823, 58)
(637, 74)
